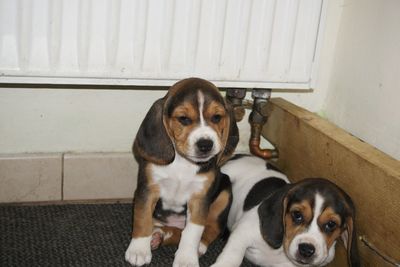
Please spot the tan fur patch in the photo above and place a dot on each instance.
(292, 229)
(212, 228)
(178, 132)
(144, 208)
(197, 203)
(329, 215)
(172, 235)
(215, 108)
(348, 237)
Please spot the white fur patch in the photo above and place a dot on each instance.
(178, 181)
(139, 251)
(202, 249)
(244, 173)
(246, 241)
(200, 100)
(187, 253)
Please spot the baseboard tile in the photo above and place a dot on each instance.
(30, 177)
(67, 178)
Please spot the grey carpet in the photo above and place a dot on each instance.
(75, 235)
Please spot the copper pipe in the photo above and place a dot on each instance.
(254, 143)
(258, 118)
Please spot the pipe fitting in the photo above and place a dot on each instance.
(235, 96)
(258, 117)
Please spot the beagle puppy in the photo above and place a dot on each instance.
(275, 223)
(181, 196)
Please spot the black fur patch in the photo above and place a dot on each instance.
(239, 156)
(225, 184)
(152, 142)
(271, 166)
(270, 213)
(162, 214)
(261, 190)
(208, 165)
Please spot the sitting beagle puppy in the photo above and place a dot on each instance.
(181, 196)
(275, 223)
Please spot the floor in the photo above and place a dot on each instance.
(75, 235)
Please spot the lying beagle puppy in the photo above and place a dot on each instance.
(275, 223)
(181, 196)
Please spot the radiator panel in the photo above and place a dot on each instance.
(257, 43)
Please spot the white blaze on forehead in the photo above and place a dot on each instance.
(200, 100)
(313, 230)
(202, 131)
(312, 235)
(319, 201)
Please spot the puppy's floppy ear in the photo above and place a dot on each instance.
(271, 213)
(349, 238)
(231, 136)
(152, 141)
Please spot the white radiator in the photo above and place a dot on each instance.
(234, 43)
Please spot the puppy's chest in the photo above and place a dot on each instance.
(178, 181)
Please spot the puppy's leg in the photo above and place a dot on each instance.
(216, 220)
(233, 253)
(139, 250)
(187, 253)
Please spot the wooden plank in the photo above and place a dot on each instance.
(310, 146)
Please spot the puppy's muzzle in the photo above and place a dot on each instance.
(204, 146)
(306, 250)
(305, 253)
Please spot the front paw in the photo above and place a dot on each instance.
(186, 258)
(139, 251)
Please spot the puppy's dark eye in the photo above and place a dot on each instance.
(329, 226)
(216, 118)
(184, 120)
(297, 217)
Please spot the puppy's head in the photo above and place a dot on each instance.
(314, 214)
(193, 120)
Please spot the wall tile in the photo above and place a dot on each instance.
(30, 177)
(99, 176)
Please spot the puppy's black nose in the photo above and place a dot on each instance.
(306, 250)
(204, 145)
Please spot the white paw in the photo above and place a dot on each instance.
(186, 258)
(139, 252)
(202, 249)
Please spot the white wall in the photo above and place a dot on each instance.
(62, 120)
(364, 91)
(357, 88)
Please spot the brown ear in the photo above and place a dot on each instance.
(349, 238)
(152, 142)
(231, 136)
